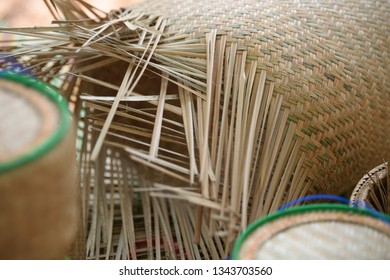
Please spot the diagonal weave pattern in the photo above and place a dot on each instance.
(224, 109)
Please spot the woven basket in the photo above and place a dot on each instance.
(231, 108)
(38, 182)
(317, 231)
(373, 189)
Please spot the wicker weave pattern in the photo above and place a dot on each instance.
(319, 236)
(233, 106)
(38, 209)
(37, 178)
(329, 61)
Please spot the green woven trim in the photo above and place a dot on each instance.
(300, 210)
(54, 138)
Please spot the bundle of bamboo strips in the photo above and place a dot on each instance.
(199, 117)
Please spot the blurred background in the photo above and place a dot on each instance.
(22, 13)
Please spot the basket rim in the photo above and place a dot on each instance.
(55, 138)
(360, 192)
(300, 210)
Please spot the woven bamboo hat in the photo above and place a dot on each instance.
(317, 231)
(37, 170)
(221, 111)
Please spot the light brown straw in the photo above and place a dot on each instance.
(321, 235)
(268, 101)
(38, 209)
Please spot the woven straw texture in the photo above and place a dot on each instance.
(27, 120)
(322, 235)
(38, 212)
(199, 117)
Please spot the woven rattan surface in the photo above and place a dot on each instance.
(322, 235)
(230, 107)
(38, 209)
(38, 185)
